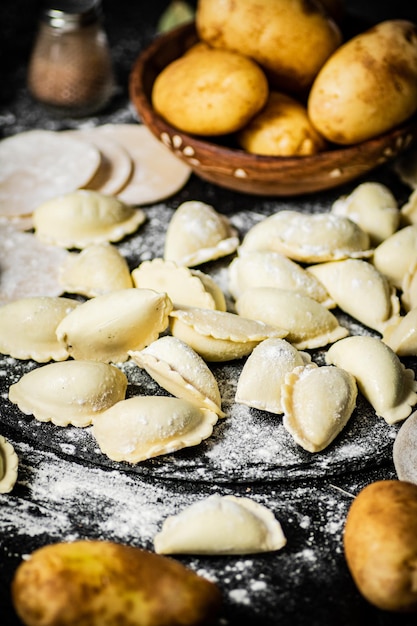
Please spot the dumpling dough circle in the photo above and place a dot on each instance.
(37, 165)
(157, 173)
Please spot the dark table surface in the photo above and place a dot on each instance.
(62, 494)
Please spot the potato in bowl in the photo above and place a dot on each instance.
(210, 92)
(219, 160)
(281, 128)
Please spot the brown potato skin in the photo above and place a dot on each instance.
(282, 128)
(368, 85)
(289, 40)
(101, 583)
(210, 92)
(380, 544)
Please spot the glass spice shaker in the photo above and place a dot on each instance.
(70, 70)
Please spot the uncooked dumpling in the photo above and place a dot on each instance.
(106, 327)
(8, 466)
(272, 269)
(401, 336)
(183, 285)
(221, 525)
(197, 233)
(409, 209)
(261, 378)
(308, 323)
(318, 402)
(384, 381)
(82, 218)
(72, 392)
(95, 270)
(36, 319)
(373, 207)
(409, 288)
(309, 238)
(360, 290)
(394, 256)
(181, 371)
(219, 335)
(143, 427)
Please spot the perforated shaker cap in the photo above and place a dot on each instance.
(71, 13)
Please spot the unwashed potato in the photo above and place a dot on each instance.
(97, 583)
(368, 86)
(282, 128)
(380, 544)
(290, 40)
(210, 92)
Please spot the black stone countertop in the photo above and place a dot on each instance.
(63, 493)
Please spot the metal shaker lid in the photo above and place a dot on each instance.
(71, 13)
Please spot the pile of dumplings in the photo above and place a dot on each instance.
(172, 319)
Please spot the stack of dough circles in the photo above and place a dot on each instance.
(116, 165)
(157, 173)
(123, 160)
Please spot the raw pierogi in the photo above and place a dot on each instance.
(197, 233)
(143, 427)
(388, 386)
(106, 327)
(181, 371)
(221, 525)
(71, 392)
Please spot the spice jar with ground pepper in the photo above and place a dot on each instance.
(70, 70)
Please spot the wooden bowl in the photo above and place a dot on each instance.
(238, 170)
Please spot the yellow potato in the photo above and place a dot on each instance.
(282, 128)
(101, 582)
(210, 92)
(368, 86)
(380, 544)
(290, 40)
